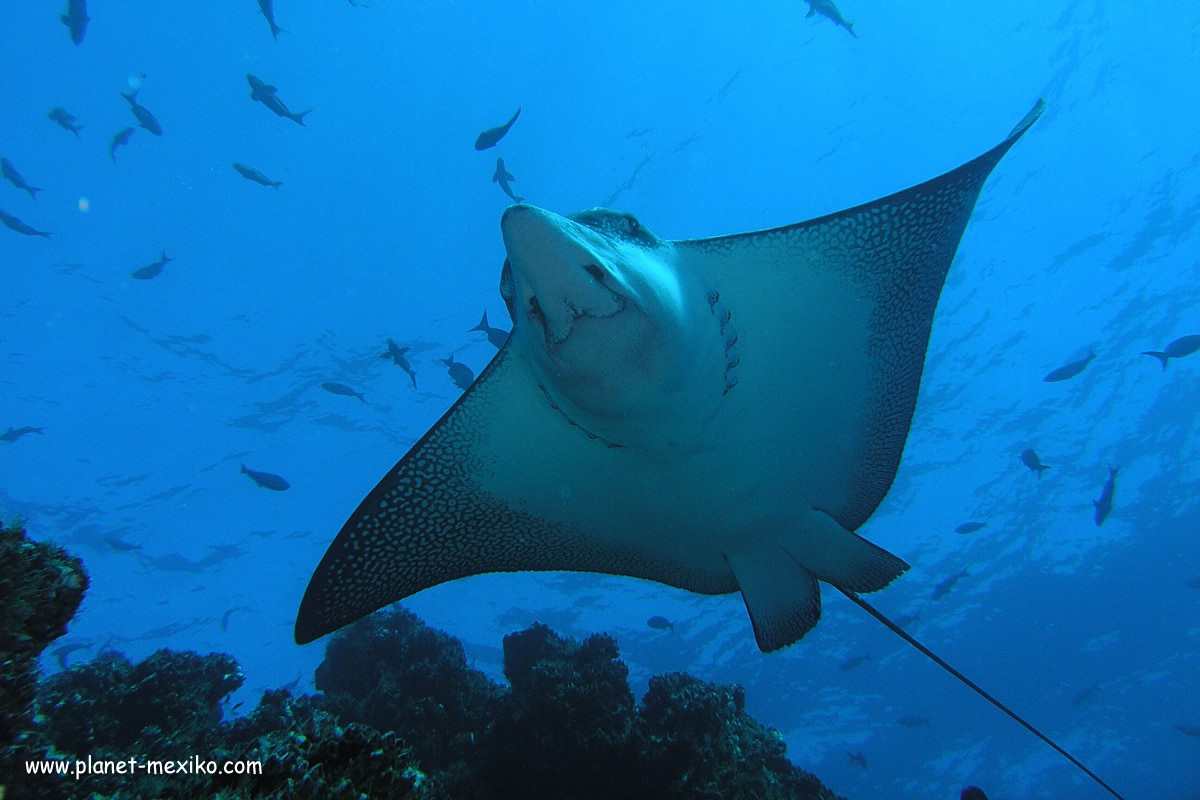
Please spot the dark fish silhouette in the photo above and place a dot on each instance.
(120, 138)
(1086, 695)
(970, 527)
(972, 793)
(268, 95)
(491, 136)
(144, 117)
(12, 434)
(229, 613)
(914, 722)
(1068, 371)
(660, 623)
(117, 544)
(65, 119)
(14, 177)
(151, 270)
(268, 10)
(1105, 503)
(221, 553)
(853, 663)
(342, 389)
(827, 9)
(460, 373)
(61, 652)
(906, 619)
(267, 480)
(1183, 346)
(396, 354)
(76, 19)
(251, 174)
(502, 177)
(1030, 459)
(943, 588)
(17, 225)
(857, 759)
(1189, 730)
(495, 336)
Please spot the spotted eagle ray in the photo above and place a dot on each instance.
(658, 412)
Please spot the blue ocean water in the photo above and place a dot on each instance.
(703, 119)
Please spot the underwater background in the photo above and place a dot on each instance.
(703, 119)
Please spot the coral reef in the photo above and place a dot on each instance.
(402, 715)
(110, 708)
(41, 587)
(568, 727)
(394, 673)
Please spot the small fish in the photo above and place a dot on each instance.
(946, 585)
(915, 722)
(495, 336)
(251, 174)
(1183, 346)
(61, 652)
(267, 7)
(460, 373)
(229, 613)
(1189, 730)
(12, 434)
(65, 119)
(491, 136)
(76, 19)
(853, 663)
(1105, 503)
(1030, 459)
(151, 270)
(237, 705)
(17, 225)
(396, 354)
(906, 619)
(827, 9)
(14, 177)
(660, 623)
(972, 793)
(1086, 695)
(1068, 371)
(120, 545)
(267, 480)
(144, 117)
(265, 93)
(857, 759)
(221, 553)
(970, 527)
(342, 389)
(120, 138)
(502, 177)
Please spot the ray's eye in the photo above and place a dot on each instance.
(595, 272)
(535, 308)
(634, 226)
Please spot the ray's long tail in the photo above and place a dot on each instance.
(896, 629)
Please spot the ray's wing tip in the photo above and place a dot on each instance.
(1028, 119)
(305, 630)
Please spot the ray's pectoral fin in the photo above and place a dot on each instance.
(431, 519)
(779, 579)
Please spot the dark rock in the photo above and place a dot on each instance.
(393, 672)
(41, 586)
